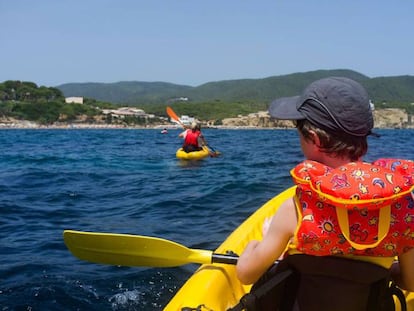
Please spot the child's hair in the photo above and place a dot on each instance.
(338, 144)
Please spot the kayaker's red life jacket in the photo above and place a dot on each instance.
(358, 208)
(191, 138)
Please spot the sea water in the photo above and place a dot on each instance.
(129, 181)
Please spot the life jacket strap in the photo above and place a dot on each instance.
(383, 226)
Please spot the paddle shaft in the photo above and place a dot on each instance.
(224, 258)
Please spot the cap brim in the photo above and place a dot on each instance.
(285, 109)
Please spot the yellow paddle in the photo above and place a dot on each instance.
(213, 153)
(137, 250)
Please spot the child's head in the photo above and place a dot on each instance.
(336, 109)
(335, 144)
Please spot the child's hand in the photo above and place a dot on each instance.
(266, 225)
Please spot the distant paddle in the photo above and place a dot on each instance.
(174, 116)
(213, 153)
(137, 250)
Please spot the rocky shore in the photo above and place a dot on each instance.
(383, 118)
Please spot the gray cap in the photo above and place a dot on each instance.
(334, 104)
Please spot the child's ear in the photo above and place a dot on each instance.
(315, 138)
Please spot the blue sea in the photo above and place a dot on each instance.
(129, 181)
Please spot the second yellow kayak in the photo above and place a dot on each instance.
(195, 155)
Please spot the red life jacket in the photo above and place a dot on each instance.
(358, 208)
(191, 138)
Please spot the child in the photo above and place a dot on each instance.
(333, 118)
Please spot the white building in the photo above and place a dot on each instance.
(186, 120)
(371, 104)
(125, 111)
(74, 100)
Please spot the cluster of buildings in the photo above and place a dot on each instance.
(123, 112)
(120, 112)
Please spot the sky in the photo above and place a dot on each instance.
(192, 42)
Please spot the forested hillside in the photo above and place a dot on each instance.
(392, 90)
(22, 100)
(125, 92)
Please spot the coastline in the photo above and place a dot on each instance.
(90, 126)
(389, 118)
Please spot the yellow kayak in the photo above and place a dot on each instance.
(195, 155)
(215, 286)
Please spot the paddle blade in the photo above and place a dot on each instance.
(172, 114)
(213, 153)
(131, 250)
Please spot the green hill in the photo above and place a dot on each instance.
(125, 92)
(392, 90)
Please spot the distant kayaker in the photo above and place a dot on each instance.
(343, 208)
(193, 138)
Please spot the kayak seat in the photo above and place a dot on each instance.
(310, 283)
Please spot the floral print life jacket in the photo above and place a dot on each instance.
(358, 208)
